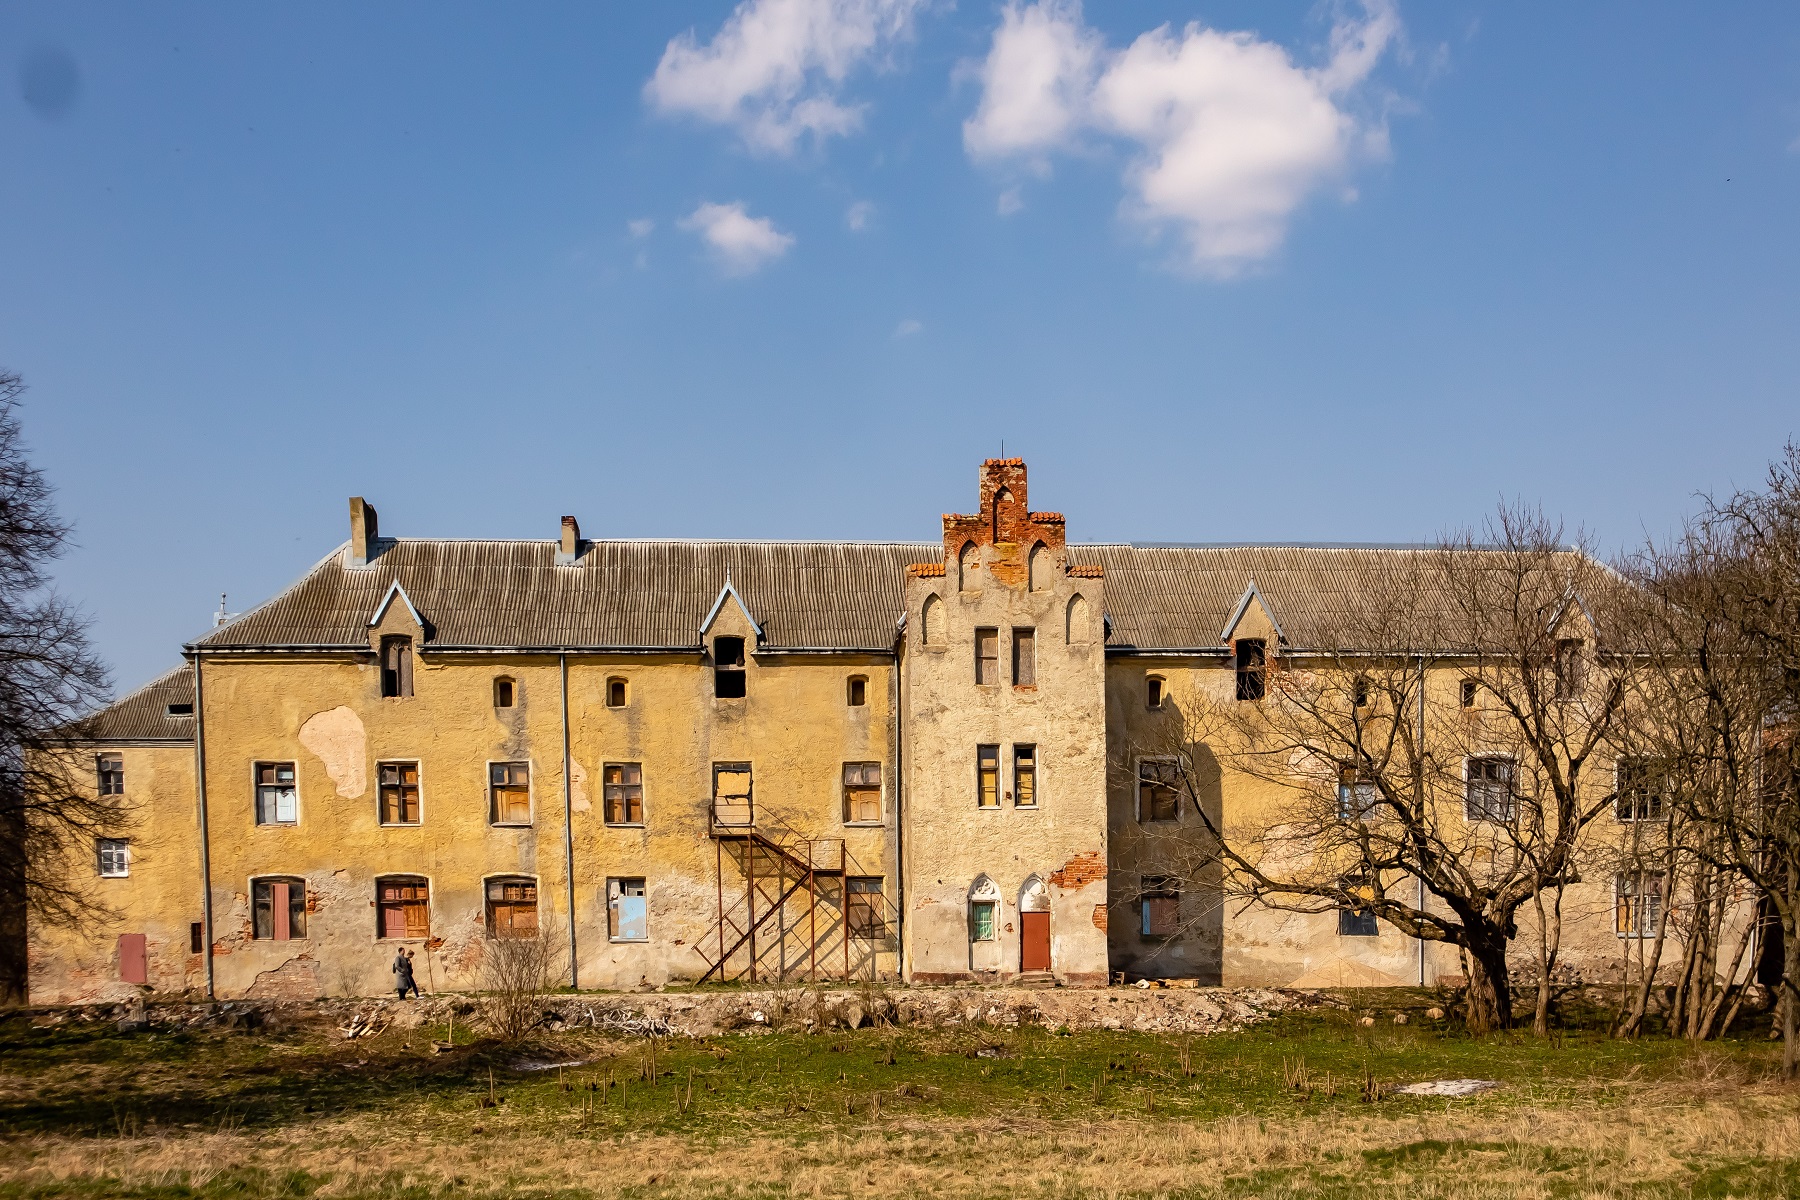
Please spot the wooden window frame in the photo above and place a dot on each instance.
(1157, 782)
(1024, 657)
(396, 666)
(987, 666)
(381, 793)
(1639, 912)
(855, 792)
(495, 786)
(865, 918)
(257, 787)
(624, 786)
(987, 777)
(1471, 784)
(1026, 754)
(410, 907)
(1159, 902)
(109, 774)
(493, 905)
(285, 900)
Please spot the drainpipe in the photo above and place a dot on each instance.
(1421, 878)
(206, 906)
(898, 725)
(562, 661)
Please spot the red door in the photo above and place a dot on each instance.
(1034, 941)
(134, 967)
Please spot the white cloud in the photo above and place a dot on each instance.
(775, 71)
(741, 242)
(1009, 203)
(641, 227)
(1231, 135)
(909, 327)
(858, 216)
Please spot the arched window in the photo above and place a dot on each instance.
(1034, 896)
(506, 692)
(1039, 567)
(967, 563)
(984, 906)
(857, 693)
(1001, 498)
(1153, 691)
(615, 692)
(933, 621)
(1081, 625)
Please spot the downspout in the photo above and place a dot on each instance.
(206, 905)
(1421, 878)
(899, 739)
(562, 661)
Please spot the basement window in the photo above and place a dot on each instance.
(278, 909)
(509, 793)
(111, 770)
(506, 692)
(1159, 789)
(987, 656)
(277, 799)
(728, 668)
(864, 917)
(862, 793)
(113, 856)
(627, 911)
(623, 788)
(1252, 668)
(398, 783)
(512, 907)
(402, 907)
(396, 666)
(1159, 906)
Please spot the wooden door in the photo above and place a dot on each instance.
(1034, 941)
(134, 966)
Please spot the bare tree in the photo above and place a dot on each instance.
(517, 971)
(1437, 729)
(49, 678)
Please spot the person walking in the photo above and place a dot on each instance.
(403, 975)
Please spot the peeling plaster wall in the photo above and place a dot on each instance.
(950, 842)
(159, 899)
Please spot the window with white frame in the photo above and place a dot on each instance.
(277, 800)
(1356, 793)
(1638, 903)
(1639, 788)
(114, 856)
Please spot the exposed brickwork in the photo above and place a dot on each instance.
(1005, 528)
(1080, 871)
(1100, 917)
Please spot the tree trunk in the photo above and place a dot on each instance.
(1490, 992)
(1790, 981)
(1549, 943)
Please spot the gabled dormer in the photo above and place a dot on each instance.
(730, 633)
(396, 633)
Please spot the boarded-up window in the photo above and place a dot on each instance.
(512, 908)
(987, 777)
(1159, 789)
(1024, 662)
(396, 666)
(276, 800)
(111, 769)
(1571, 668)
(1641, 785)
(623, 785)
(1025, 792)
(732, 803)
(134, 962)
(933, 621)
(1488, 789)
(1252, 664)
(987, 656)
(278, 909)
(967, 564)
(114, 856)
(865, 917)
(627, 914)
(1638, 903)
(509, 791)
(728, 668)
(1160, 906)
(399, 787)
(862, 792)
(1038, 568)
(403, 907)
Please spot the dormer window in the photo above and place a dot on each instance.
(180, 710)
(396, 666)
(728, 668)
(505, 692)
(615, 692)
(1252, 668)
(1571, 668)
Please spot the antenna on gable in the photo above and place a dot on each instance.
(220, 617)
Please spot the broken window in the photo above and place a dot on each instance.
(512, 907)
(111, 769)
(862, 793)
(1468, 693)
(627, 912)
(987, 655)
(398, 783)
(1024, 664)
(1025, 777)
(1153, 691)
(857, 693)
(402, 907)
(113, 856)
(1159, 906)
(1159, 789)
(1359, 691)
(732, 803)
(1571, 668)
(615, 692)
(277, 909)
(1638, 903)
(509, 793)
(1638, 790)
(505, 692)
(1252, 665)
(1356, 917)
(1356, 793)
(728, 668)
(1488, 789)
(622, 787)
(987, 777)
(396, 666)
(864, 917)
(277, 802)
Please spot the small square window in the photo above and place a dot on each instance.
(114, 856)
(509, 793)
(277, 799)
(615, 692)
(627, 911)
(1571, 668)
(111, 771)
(858, 692)
(506, 692)
(1252, 668)
(623, 785)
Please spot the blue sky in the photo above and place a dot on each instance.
(791, 269)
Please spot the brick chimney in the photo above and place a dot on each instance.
(363, 532)
(568, 551)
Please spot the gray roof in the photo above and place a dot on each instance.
(143, 715)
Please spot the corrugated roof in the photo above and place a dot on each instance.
(143, 715)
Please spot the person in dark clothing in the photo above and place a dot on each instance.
(403, 975)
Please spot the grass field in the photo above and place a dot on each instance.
(1297, 1106)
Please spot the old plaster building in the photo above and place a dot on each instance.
(688, 760)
